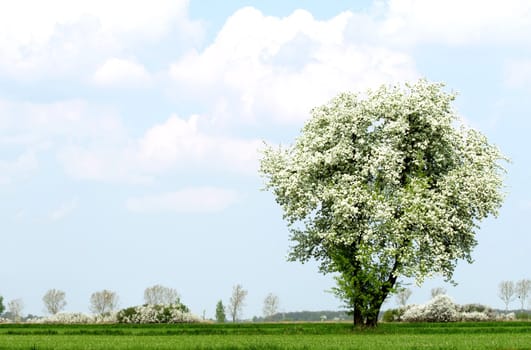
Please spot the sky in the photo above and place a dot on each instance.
(130, 130)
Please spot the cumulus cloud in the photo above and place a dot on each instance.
(186, 200)
(176, 144)
(121, 72)
(56, 37)
(279, 68)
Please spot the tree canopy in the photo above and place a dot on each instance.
(385, 184)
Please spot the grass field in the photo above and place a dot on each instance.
(485, 335)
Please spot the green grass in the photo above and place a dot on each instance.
(503, 335)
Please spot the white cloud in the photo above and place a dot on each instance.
(518, 73)
(187, 200)
(279, 68)
(63, 211)
(56, 37)
(177, 144)
(120, 72)
(38, 125)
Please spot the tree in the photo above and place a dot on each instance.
(2, 307)
(220, 312)
(161, 295)
(506, 292)
(522, 289)
(54, 301)
(15, 308)
(402, 296)
(271, 303)
(103, 302)
(236, 302)
(384, 185)
(437, 291)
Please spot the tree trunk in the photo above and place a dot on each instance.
(357, 317)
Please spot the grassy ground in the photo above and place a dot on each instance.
(505, 335)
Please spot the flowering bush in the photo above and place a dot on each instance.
(173, 313)
(74, 318)
(439, 309)
(474, 316)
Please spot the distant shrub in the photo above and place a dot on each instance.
(523, 316)
(439, 309)
(173, 313)
(474, 316)
(64, 318)
(394, 315)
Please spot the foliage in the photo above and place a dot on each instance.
(2, 307)
(383, 185)
(236, 302)
(54, 301)
(220, 312)
(271, 304)
(394, 315)
(103, 302)
(158, 294)
(160, 313)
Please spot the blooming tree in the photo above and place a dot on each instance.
(54, 301)
(382, 185)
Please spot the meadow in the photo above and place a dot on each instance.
(479, 335)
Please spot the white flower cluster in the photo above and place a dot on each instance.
(442, 309)
(156, 314)
(439, 309)
(74, 318)
(474, 316)
(506, 317)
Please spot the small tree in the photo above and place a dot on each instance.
(103, 302)
(220, 312)
(15, 307)
(236, 302)
(506, 292)
(161, 295)
(437, 291)
(271, 303)
(402, 296)
(2, 307)
(54, 301)
(522, 290)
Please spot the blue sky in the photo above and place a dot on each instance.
(129, 130)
